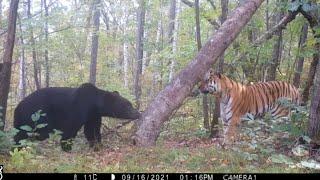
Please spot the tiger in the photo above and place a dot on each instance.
(236, 100)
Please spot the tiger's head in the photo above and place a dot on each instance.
(211, 83)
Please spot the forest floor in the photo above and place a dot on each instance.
(183, 146)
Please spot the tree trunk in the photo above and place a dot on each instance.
(313, 19)
(5, 71)
(205, 107)
(267, 16)
(216, 112)
(276, 53)
(174, 23)
(156, 74)
(314, 118)
(300, 58)
(0, 11)
(33, 44)
(139, 51)
(22, 66)
(125, 60)
(173, 95)
(46, 53)
(172, 17)
(95, 42)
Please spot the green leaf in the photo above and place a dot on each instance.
(26, 128)
(294, 6)
(35, 117)
(306, 7)
(280, 158)
(39, 126)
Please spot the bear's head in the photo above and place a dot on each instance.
(106, 103)
(120, 107)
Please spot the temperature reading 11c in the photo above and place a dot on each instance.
(90, 177)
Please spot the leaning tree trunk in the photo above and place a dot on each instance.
(173, 95)
(216, 112)
(5, 71)
(95, 42)
(300, 58)
(139, 52)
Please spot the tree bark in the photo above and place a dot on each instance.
(276, 53)
(95, 42)
(173, 95)
(139, 51)
(5, 71)
(22, 66)
(172, 17)
(300, 59)
(33, 44)
(312, 17)
(314, 118)
(174, 40)
(205, 107)
(216, 112)
(46, 52)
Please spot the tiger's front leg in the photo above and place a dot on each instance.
(231, 130)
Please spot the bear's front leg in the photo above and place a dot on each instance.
(89, 129)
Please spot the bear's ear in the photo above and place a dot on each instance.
(116, 92)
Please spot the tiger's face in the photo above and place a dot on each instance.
(211, 83)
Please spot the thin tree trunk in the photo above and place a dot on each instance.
(314, 118)
(276, 53)
(174, 37)
(205, 108)
(300, 58)
(173, 95)
(95, 42)
(0, 11)
(156, 73)
(139, 51)
(216, 112)
(267, 16)
(33, 44)
(312, 17)
(5, 71)
(125, 51)
(46, 53)
(22, 66)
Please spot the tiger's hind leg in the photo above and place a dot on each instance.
(279, 111)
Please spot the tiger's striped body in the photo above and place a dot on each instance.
(236, 100)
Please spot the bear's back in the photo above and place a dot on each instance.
(52, 101)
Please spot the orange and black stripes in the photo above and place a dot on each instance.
(257, 99)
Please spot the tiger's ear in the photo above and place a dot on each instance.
(218, 75)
